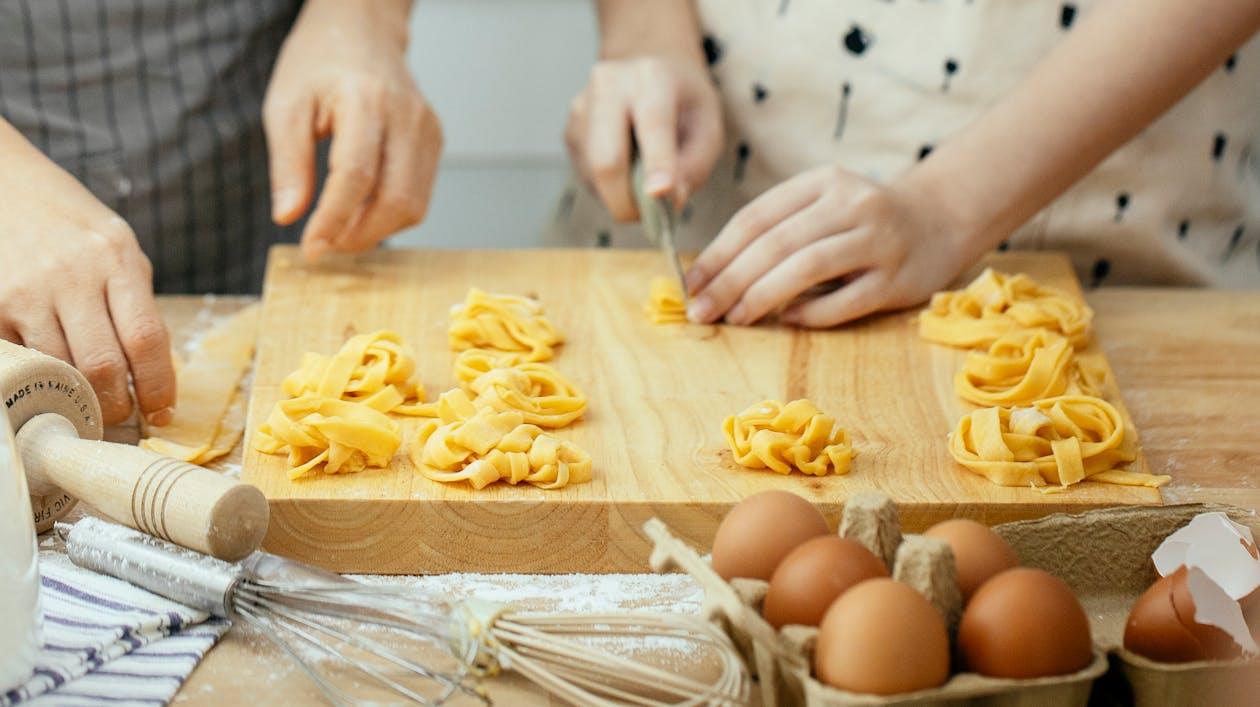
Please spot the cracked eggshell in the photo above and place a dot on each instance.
(1187, 617)
(1223, 550)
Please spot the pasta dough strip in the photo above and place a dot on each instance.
(502, 323)
(364, 366)
(995, 304)
(481, 446)
(779, 437)
(665, 303)
(1061, 440)
(209, 409)
(1021, 367)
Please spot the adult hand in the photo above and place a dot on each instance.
(342, 72)
(74, 284)
(673, 111)
(887, 247)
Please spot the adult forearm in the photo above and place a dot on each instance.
(389, 19)
(636, 27)
(1121, 68)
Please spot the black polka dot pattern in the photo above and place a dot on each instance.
(712, 49)
(951, 68)
(1218, 146)
(842, 115)
(856, 41)
(1122, 205)
(924, 151)
(1183, 230)
(1100, 271)
(1067, 15)
(742, 152)
(759, 93)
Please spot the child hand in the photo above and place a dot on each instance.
(674, 113)
(890, 246)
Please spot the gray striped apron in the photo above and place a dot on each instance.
(155, 105)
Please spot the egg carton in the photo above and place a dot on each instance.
(1103, 555)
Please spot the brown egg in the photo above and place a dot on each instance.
(882, 637)
(1161, 626)
(810, 578)
(979, 553)
(1024, 623)
(759, 532)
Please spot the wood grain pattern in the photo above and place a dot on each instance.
(658, 395)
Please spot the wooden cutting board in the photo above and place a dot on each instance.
(658, 395)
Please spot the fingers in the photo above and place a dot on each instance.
(291, 138)
(750, 223)
(760, 256)
(821, 261)
(354, 164)
(857, 299)
(145, 344)
(39, 329)
(655, 116)
(96, 351)
(414, 146)
(700, 145)
(607, 144)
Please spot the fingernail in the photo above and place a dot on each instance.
(700, 310)
(658, 182)
(283, 202)
(736, 315)
(160, 418)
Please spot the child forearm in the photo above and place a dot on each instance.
(1117, 71)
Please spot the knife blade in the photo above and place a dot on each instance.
(656, 214)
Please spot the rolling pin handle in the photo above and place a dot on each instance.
(164, 497)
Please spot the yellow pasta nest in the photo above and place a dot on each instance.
(341, 435)
(536, 390)
(470, 364)
(365, 368)
(665, 303)
(1022, 367)
(482, 446)
(1061, 440)
(336, 414)
(995, 304)
(771, 435)
(502, 323)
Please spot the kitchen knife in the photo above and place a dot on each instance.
(656, 213)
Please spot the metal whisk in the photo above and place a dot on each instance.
(400, 643)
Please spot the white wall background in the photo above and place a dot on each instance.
(500, 74)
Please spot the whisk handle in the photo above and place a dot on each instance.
(188, 577)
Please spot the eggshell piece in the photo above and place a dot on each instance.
(810, 578)
(761, 530)
(1216, 644)
(882, 637)
(1153, 629)
(979, 553)
(1024, 623)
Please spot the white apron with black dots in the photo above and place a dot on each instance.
(873, 86)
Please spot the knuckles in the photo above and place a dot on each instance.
(103, 367)
(145, 335)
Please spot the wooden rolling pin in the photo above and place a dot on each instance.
(57, 418)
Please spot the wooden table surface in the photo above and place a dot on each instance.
(1187, 361)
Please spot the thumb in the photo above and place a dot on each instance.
(290, 129)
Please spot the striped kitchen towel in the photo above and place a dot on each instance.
(107, 642)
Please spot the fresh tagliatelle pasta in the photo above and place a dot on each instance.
(779, 437)
(665, 303)
(481, 446)
(536, 390)
(1061, 441)
(995, 304)
(340, 435)
(336, 418)
(471, 363)
(502, 323)
(1023, 366)
(366, 366)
